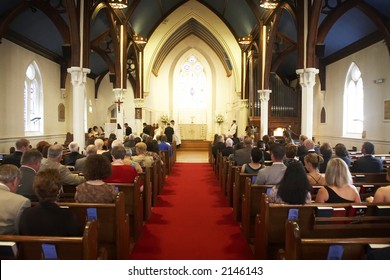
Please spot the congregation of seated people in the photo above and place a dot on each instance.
(38, 174)
(324, 166)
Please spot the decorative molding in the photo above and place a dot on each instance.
(264, 94)
(139, 102)
(79, 75)
(307, 77)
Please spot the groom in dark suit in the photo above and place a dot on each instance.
(367, 163)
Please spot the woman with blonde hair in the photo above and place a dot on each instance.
(339, 186)
(312, 163)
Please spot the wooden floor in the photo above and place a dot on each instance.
(192, 156)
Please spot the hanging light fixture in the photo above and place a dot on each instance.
(140, 40)
(246, 40)
(269, 4)
(118, 4)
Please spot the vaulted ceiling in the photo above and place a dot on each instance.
(43, 26)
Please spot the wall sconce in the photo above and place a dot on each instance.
(379, 81)
(118, 4)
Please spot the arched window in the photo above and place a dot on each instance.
(192, 84)
(353, 103)
(33, 101)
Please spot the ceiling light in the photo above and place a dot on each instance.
(246, 40)
(269, 4)
(118, 4)
(139, 40)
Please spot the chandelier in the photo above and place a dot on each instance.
(246, 40)
(118, 4)
(269, 4)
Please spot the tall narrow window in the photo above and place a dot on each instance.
(353, 103)
(192, 84)
(33, 101)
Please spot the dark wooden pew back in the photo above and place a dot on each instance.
(270, 225)
(251, 207)
(113, 224)
(67, 248)
(299, 248)
(133, 206)
(238, 191)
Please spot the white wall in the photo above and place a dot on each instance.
(374, 63)
(13, 64)
(221, 88)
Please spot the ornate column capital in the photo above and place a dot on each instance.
(244, 103)
(307, 77)
(264, 94)
(79, 75)
(139, 102)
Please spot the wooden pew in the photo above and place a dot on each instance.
(166, 158)
(133, 206)
(147, 192)
(113, 224)
(251, 207)
(224, 171)
(219, 164)
(211, 157)
(369, 177)
(155, 179)
(270, 225)
(67, 248)
(238, 191)
(299, 248)
(230, 181)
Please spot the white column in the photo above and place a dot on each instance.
(243, 116)
(139, 103)
(264, 98)
(307, 80)
(118, 93)
(79, 78)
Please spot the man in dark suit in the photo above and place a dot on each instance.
(367, 163)
(243, 155)
(147, 129)
(31, 162)
(70, 159)
(128, 129)
(219, 146)
(21, 145)
(169, 133)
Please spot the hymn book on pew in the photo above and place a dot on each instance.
(49, 251)
(328, 211)
(357, 210)
(8, 250)
(367, 189)
(293, 214)
(339, 212)
(382, 210)
(335, 252)
(92, 214)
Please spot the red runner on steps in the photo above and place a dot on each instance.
(191, 220)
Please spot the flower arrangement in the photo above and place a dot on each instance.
(164, 119)
(219, 118)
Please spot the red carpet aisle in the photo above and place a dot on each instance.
(191, 221)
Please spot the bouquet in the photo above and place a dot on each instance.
(164, 119)
(219, 118)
